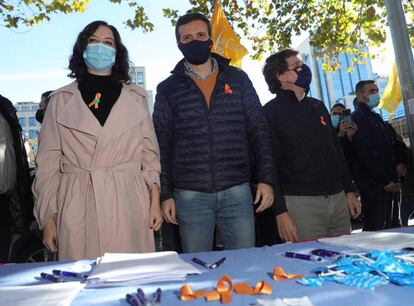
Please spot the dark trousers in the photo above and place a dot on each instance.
(266, 228)
(5, 223)
(393, 211)
(375, 205)
(170, 238)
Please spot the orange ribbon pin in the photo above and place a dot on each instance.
(95, 102)
(227, 89)
(279, 274)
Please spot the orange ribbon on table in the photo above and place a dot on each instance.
(224, 290)
(280, 274)
(261, 288)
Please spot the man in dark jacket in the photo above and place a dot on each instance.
(15, 196)
(208, 120)
(376, 161)
(312, 170)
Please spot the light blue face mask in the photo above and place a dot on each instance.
(99, 57)
(335, 120)
(374, 100)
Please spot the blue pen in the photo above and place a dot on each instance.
(132, 300)
(218, 263)
(68, 273)
(51, 277)
(207, 265)
(200, 262)
(303, 256)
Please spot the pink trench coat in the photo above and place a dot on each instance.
(95, 180)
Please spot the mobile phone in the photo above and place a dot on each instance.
(346, 116)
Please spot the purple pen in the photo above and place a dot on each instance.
(156, 300)
(326, 253)
(51, 277)
(141, 296)
(132, 300)
(303, 256)
(68, 273)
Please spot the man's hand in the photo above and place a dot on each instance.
(265, 193)
(354, 205)
(168, 211)
(50, 236)
(299, 91)
(286, 227)
(401, 170)
(392, 187)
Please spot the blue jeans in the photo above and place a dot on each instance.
(407, 209)
(199, 212)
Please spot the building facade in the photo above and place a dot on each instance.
(337, 86)
(138, 78)
(26, 112)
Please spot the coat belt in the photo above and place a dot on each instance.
(97, 175)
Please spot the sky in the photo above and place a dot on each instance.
(34, 60)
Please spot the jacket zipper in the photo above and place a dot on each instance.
(210, 130)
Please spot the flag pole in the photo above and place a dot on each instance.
(404, 60)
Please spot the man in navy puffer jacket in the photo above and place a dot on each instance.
(209, 121)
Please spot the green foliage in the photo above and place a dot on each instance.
(333, 26)
(31, 12)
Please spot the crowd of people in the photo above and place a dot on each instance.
(211, 162)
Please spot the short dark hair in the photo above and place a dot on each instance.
(275, 65)
(189, 17)
(46, 94)
(77, 65)
(361, 84)
(338, 105)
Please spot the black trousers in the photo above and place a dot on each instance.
(5, 223)
(375, 206)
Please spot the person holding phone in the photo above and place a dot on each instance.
(342, 121)
(346, 128)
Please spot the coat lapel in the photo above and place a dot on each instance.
(128, 111)
(76, 114)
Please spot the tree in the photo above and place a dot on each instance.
(333, 26)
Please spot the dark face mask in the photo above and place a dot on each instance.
(40, 113)
(196, 52)
(304, 76)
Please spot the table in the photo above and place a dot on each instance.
(246, 265)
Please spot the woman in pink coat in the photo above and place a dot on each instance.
(96, 185)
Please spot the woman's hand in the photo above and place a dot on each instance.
(50, 236)
(155, 215)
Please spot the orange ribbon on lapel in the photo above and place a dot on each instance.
(280, 274)
(224, 290)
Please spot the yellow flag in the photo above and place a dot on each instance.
(225, 41)
(392, 96)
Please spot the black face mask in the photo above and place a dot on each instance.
(196, 52)
(40, 113)
(304, 76)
